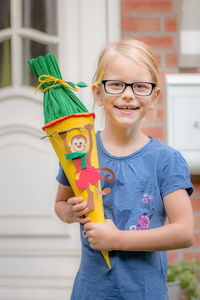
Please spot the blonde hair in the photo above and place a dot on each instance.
(134, 49)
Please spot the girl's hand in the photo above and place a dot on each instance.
(69, 208)
(77, 210)
(102, 236)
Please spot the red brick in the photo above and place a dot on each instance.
(195, 204)
(172, 60)
(172, 256)
(160, 42)
(141, 24)
(170, 25)
(197, 222)
(192, 255)
(156, 132)
(162, 76)
(197, 240)
(147, 6)
(158, 59)
(189, 70)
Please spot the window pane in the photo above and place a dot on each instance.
(40, 15)
(190, 34)
(188, 23)
(32, 49)
(5, 64)
(5, 14)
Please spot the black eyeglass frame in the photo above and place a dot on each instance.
(153, 85)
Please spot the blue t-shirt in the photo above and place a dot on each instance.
(135, 203)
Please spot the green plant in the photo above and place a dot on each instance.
(186, 273)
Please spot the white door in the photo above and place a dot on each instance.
(39, 255)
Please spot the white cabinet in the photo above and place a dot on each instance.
(183, 116)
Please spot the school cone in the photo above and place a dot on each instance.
(74, 120)
(53, 130)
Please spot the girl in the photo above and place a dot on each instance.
(152, 183)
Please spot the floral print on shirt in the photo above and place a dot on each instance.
(143, 221)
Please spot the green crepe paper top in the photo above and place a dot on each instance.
(59, 101)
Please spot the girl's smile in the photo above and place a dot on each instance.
(126, 108)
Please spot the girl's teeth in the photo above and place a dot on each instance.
(126, 108)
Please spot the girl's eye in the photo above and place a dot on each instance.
(140, 86)
(116, 85)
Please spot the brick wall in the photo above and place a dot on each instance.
(156, 23)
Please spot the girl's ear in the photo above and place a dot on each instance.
(97, 94)
(157, 92)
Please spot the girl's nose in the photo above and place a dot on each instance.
(128, 93)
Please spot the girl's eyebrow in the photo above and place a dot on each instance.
(139, 80)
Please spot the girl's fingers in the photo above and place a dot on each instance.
(77, 203)
(79, 207)
(84, 220)
(88, 227)
(81, 212)
(75, 200)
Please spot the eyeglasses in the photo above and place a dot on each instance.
(138, 88)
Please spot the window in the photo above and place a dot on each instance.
(5, 45)
(28, 28)
(190, 34)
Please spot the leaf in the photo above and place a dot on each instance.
(82, 84)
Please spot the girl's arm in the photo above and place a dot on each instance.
(68, 208)
(178, 233)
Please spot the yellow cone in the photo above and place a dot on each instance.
(75, 125)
